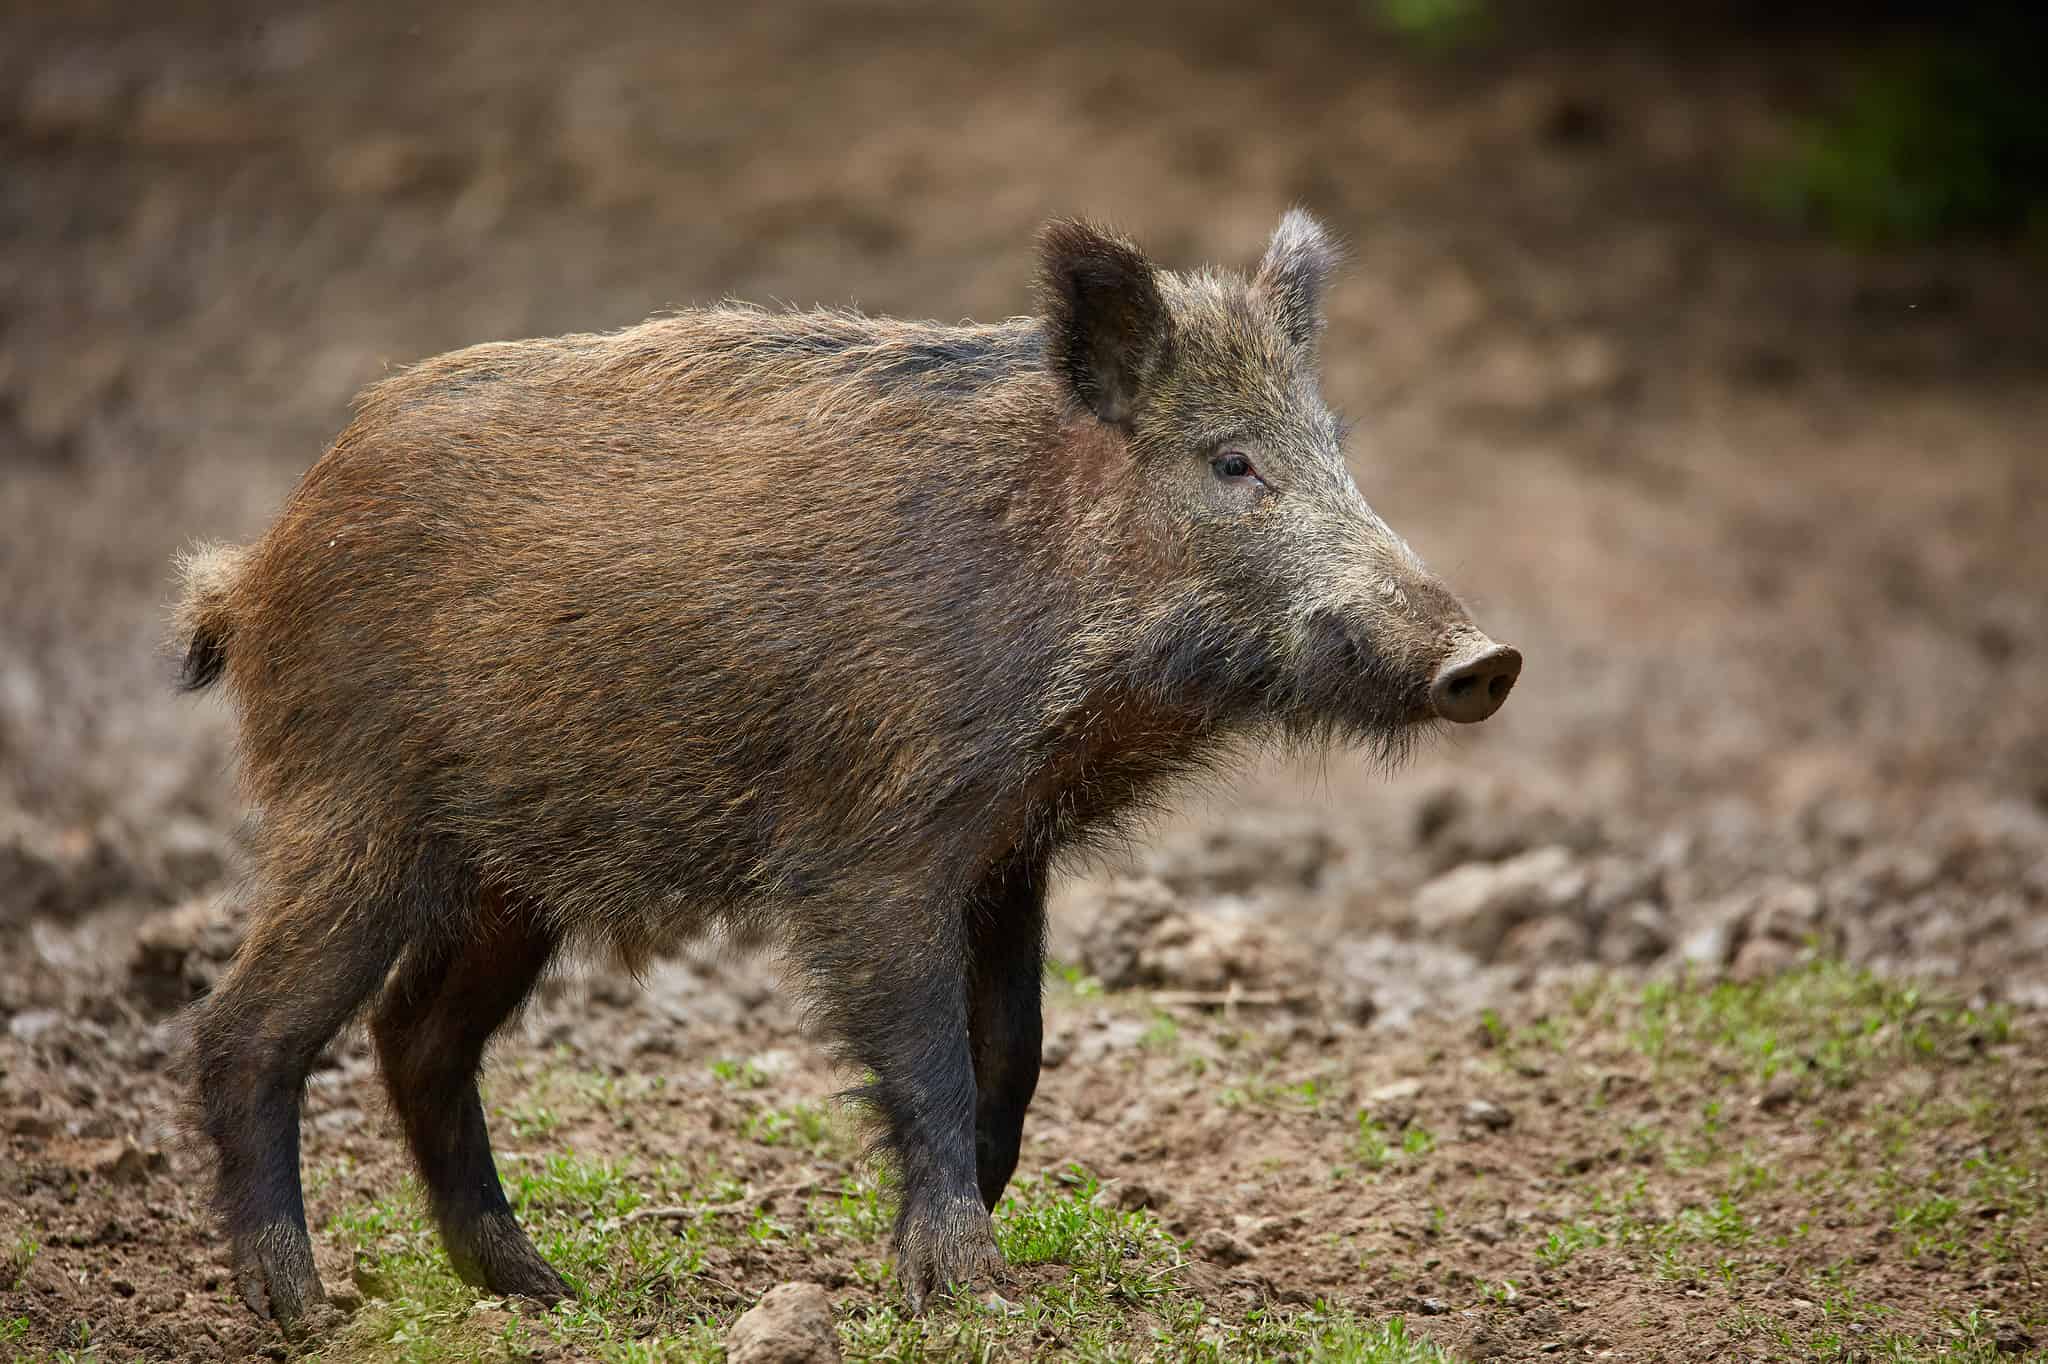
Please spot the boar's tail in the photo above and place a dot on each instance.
(205, 620)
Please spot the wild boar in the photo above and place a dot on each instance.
(820, 630)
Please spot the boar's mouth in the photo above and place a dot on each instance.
(1348, 690)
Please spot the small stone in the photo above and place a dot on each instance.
(164, 943)
(1614, 883)
(190, 855)
(120, 1162)
(792, 1324)
(658, 1040)
(1357, 1000)
(1220, 1247)
(1785, 910)
(1779, 1094)
(1636, 935)
(33, 1125)
(1487, 1114)
(1550, 940)
(1710, 945)
(1484, 1344)
(1762, 958)
(1245, 856)
(369, 1282)
(1119, 922)
(34, 1026)
(1392, 1106)
(1108, 1037)
(1474, 906)
(1431, 1307)
(612, 991)
(1266, 1232)
(1128, 1195)
(62, 872)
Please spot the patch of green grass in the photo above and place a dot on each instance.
(1439, 24)
(640, 1286)
(861, 1210)
(1568, 1240)
(1321, 1333)
(1123, 1270)
(1829, 1021)
(1073, 980)
(811, 1127)
(529, 1121)
(1933, 138)
(1371, 1146)
(1901, 1107)
(20, 1255)
(1854, 1332)
(1055, 1218)
(1897, 1123)
(739, 1074)
(1161, 1034)
(644, 1299)
(1375, 1151)
(1262, 1089)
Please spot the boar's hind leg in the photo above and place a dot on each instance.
(892, 989)
(1006, 936)
(303, 971)
(431, 1026)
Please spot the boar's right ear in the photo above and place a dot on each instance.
(1106, 323)
(1298, 264)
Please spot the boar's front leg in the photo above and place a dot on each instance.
(1006, 935)
(892, 989)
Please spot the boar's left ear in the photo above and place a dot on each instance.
(1106, 322)
(1298, 263)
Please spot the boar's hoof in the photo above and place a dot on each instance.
(939, 1248)
(274, 1275)
(494, 1255)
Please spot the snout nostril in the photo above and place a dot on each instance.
(1472, 685)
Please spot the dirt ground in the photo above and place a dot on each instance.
(1768, 519)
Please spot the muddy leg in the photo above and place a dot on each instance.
(897, 1001)
(300, 975)
(431, 1027)
(1006, 939)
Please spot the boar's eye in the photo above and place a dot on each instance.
(1233, 467)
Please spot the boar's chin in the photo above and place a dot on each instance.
(1346, 692)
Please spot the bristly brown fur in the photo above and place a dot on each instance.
(813, 627)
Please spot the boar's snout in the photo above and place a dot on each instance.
(1473, 682)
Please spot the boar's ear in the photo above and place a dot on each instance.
(1298, 263)
(1106, 323)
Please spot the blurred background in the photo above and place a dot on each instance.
(1702, 349)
